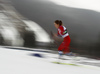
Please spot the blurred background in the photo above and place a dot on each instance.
(28, 23)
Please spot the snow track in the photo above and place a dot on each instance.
(25, 62)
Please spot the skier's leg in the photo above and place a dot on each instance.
(67, 45)
(60, 50)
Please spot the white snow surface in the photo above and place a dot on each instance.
(22, 62)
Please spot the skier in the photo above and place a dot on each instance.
(62, 31)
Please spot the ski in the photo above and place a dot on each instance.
(65, 63)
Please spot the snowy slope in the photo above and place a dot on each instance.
(22, 62)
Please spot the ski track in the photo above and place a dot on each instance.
(23, 62)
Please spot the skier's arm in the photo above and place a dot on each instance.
(62, 30)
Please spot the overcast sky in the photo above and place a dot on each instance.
(83, 4)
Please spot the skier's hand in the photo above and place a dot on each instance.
(55, 35)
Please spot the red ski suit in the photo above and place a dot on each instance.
(64, 46)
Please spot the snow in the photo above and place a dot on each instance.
(22, 62)
(41, 34)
